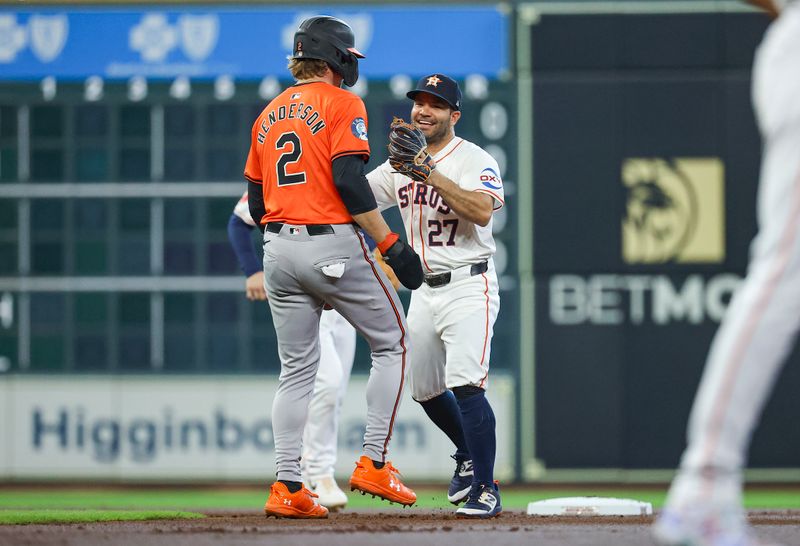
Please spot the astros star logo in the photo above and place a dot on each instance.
(434, 81)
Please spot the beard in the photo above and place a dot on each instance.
(438, 133)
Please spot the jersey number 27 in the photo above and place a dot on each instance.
(436, 228)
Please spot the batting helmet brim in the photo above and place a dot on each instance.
(356, 52)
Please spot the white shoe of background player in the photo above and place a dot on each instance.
(330, 496)
(704, 527)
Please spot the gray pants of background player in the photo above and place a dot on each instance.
(301, 273)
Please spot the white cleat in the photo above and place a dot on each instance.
(330, 496)
(676, 528)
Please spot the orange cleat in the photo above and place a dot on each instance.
(301, 505)
(384, 483)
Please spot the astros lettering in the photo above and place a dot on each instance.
(422, 195)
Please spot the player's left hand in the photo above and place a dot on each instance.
(254, 287)
(408, 151)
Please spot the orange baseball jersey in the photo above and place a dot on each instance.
(294, 142)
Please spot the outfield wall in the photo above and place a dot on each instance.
(200, 428)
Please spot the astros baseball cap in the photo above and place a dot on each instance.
(440, 86)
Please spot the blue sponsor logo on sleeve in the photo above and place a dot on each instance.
(489, 178)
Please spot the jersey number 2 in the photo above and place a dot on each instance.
(290, 143)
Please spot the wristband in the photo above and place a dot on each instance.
(390, 239)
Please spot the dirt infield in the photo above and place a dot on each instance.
(383, 528)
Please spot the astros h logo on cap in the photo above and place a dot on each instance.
(440, 86)
(433, 80)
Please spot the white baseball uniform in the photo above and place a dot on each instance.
(337, 340)
(761, 323)
(451, 324)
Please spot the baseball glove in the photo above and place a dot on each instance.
(408, 151)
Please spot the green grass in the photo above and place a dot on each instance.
(252, 499)
(141, 499)
(26, 517)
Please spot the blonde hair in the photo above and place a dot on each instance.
(305, 69)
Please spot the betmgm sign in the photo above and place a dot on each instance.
(674, 213)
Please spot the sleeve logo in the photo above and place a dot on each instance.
(359, 128)
(490, 179)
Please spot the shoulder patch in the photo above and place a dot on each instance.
(359, 128)
(491, 179)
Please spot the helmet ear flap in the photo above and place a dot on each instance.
(348, 67)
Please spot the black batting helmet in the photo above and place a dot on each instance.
(331, 40)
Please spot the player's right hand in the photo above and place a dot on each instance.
(254, 287)
(386, 269)
(405, 263)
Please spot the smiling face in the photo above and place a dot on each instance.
(435, 119)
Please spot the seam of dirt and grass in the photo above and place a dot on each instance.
(29, 517)
(23, 505)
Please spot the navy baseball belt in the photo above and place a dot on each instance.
(312, 229)
(441, 279)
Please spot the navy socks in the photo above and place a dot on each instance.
(445, 413)
(293, 487)
(478, 423)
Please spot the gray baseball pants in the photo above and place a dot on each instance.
(302, 272)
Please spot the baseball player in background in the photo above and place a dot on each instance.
(306, 189)
(447, 189)
(704, 505)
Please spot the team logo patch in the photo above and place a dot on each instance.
(295, 96)
(359, 128)
(490, 179)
